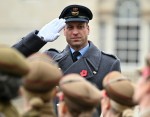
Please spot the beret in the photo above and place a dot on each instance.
(44, 75)
(79, 93)
(119, 88)
(12, 61)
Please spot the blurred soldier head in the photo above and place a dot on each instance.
(13, 66)
(117, 95)
(78, 97)
(145, 71)
(142, 96)
(147, 59)
(39, 84)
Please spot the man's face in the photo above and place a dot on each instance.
(76, 34)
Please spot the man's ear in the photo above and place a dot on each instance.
(21, 91)
(107, 103)
(88, 29)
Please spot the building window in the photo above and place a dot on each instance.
(127, 43)
(127, 32)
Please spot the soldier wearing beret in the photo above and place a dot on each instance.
(80, 56)
(78, 97)
(117, 96)
(145, 72)
(13, 66)
(39, 86)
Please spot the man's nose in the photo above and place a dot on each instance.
(75, 31)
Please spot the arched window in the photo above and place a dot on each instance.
(127, 31)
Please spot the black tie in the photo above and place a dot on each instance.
(75, 55)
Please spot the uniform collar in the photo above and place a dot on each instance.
(82, 51)
(92, 55)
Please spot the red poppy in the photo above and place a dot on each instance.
(83, 73)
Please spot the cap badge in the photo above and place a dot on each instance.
(83, 73)
(75, 12)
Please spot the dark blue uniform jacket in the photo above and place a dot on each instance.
(94, 62)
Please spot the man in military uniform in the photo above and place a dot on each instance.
(13, 66)
(80, 56)
(90, 62)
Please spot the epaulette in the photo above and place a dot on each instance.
(108, 54)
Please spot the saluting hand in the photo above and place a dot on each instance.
(50, 31)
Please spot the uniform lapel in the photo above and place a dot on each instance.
(87, 66)
(93, 56)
